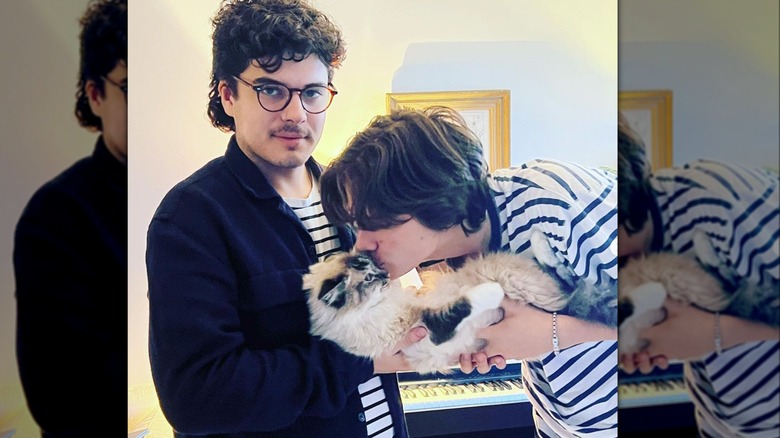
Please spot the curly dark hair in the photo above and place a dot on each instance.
(635, 195)
(424, 163)
(103, 45)
(267, 32)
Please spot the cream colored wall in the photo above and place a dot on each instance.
(721, 60)
(39, 137)
(170, 45)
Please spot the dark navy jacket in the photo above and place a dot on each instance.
(70, 266)
(229, 344)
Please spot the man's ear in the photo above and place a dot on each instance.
(95, 97)
(227, 96)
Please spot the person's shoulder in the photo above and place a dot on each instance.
(198, 189)
(62, 193)
(554, 176)
(732, 180)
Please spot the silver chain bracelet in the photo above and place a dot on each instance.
(556, 350)
(718, 341)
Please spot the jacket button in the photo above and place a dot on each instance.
(362, 417)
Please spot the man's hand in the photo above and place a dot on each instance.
(394, 360)
(686, 333)
(481, 362)
(526, 332)
(510, 338)
(643, 362)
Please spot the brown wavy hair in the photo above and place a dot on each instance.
(635, 196)
(267, 32)
(424, 163)
(102, 45)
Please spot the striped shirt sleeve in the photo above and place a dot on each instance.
(573, 393)
(736, 393)
(736, 206)
(574, 206)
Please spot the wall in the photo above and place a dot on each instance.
(720, 59)
(39, 137)
(171, 137)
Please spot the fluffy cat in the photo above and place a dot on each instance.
(353, 303)
(704, 282)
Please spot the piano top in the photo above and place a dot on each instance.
(457, 390)
(659, 387)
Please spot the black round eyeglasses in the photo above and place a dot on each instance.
(274, 97)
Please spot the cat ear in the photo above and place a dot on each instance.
(334, 292)
(359, 261)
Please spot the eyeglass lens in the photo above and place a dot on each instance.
(275, 97)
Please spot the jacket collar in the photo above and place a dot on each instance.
(251, 178)
(107, 164)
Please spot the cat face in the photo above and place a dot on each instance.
(345, 280)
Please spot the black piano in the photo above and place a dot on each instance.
(658, 402)
(466, 405)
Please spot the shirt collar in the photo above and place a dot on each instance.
(108, 165)
(251, 177)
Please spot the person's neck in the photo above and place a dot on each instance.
(114, 151)
(293, 182)
(455, 242)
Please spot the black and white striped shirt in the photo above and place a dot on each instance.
(379, 422)
(573, 393)
(736, 393)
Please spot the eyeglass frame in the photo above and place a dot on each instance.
(123, 88)
(256, 88)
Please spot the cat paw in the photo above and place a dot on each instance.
(486, 295)
(708, 257)
(705, 252)
(648, 296)
(549, 260)
(541, 249)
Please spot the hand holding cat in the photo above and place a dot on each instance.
(526, 332)
(689, 333)
(686, 333)
(481, 362)
(394, 361)
(642, 361)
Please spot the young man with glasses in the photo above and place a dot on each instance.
(230, 350)
(70, 256)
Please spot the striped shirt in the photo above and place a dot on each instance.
(736, 393)
(573, 393)
(379, 422)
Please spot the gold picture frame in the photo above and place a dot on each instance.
(486, 112)
(649, 112)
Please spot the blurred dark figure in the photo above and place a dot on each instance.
(70, 256)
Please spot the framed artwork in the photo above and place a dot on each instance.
(486, 112)
(649, 112)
